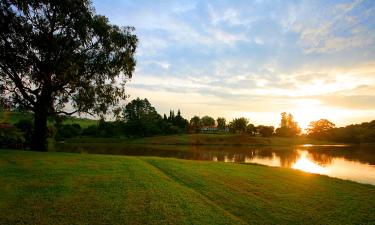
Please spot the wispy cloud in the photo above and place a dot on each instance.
(253, 58)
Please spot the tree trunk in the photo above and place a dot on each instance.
(39, 138)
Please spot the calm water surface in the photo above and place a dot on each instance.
(354, 163)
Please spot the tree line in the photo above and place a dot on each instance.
(139, 118)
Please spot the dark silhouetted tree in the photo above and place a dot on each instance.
(207, 121)
(195, 124)
(251, 129)
(141, 118)
(58, 52)
(238, 125)
(265, 131)
(221, 123)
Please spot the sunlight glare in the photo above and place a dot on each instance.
(304, 163)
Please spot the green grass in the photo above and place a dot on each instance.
(14, 117)
(63, 188)
(204, 139)
(223, 139)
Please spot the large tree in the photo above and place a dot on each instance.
(141, 118)
(221, 123)
(288, 127)
(320, 129)
(208, 121)
(238, 125)
(54, 53)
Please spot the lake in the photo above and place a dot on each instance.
(356, 163)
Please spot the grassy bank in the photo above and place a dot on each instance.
(14, 117)
(63, 188)
(204, 139)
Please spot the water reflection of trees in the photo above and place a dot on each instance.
(286, 155)
(319, 158)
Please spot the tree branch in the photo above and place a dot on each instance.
(18, 82)
(66, 113)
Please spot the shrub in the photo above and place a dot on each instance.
(26, 127)
(68, 131)
(10, 137)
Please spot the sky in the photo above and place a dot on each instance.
(314, 59)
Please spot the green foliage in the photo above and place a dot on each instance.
(55, 52)
(357, 133)
(221, 123)
(320, 129)
(27, 129)
(68, 131)
(141, 119)
(176, 122)
(207, 121)
(10, 137)
(288, 127)
(251, 129)
(265, 131)
(195, 124)
(238, 125)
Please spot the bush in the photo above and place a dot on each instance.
(68, 131)
(26, 127)
(266, 131)
(91, 130)
(10, 137)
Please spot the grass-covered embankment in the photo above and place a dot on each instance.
(63, 188)
(204, 139)
(15, 117)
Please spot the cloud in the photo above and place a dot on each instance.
(340, 30)
(253, 58)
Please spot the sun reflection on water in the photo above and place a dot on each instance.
(306, 164)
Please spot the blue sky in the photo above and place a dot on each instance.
(315, 59)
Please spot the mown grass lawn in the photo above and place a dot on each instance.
(64, 188)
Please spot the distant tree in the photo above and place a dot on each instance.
(58, 52)
(238, 125)
(171, 116)
(265, 131)
(141, 118)
(68, 131)
(181, 122)
(320, 129)
(251, 129)
(178, 121)
(288, 127)
(284, 120)
(138, 109)
(195, 124)
(208, 121)
(221, 123)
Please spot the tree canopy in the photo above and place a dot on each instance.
(207, 121)
(195, 123)
(288, 127)
(238, 125)
(320, 129)
(221, 123)
(57, 52)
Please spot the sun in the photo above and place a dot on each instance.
(307, 110)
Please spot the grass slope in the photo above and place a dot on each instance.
(222, 139)
(14, 117)
(63, 188)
